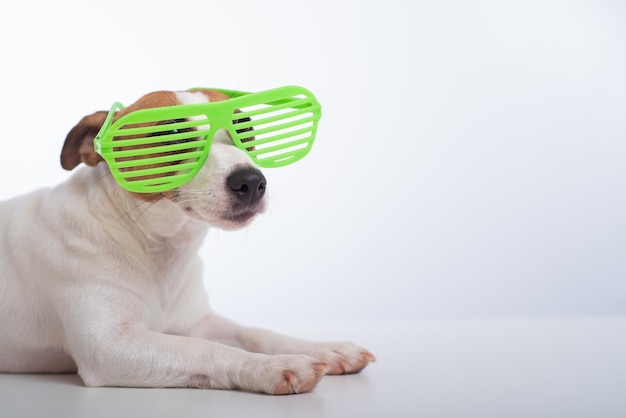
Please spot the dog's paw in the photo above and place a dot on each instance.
(341, 357)
(287, 374)
(296, 380)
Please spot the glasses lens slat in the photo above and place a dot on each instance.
(282, 126)
(157, 126)
(293, 113)
(155, 185)
(280, 147)
(161, 159)
(119, 141)
(175, 169)
(282, 159)
(277, 138)
(155, 148)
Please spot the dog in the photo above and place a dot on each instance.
(107, 283)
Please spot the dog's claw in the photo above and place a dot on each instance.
(344, 366)
(368, 357)
(286, 386)
(291, 385)
(347, 361)
(321, 368)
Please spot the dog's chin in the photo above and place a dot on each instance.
(226, 221)
(236, 221)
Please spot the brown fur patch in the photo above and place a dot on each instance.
(78, 145)
(149, 101)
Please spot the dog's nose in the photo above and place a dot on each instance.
(248, 185)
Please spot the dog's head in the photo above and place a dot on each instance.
(227, 192)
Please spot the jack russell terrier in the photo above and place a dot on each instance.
(107, 282)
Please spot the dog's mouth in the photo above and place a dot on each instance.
(243, 215)
(229, 220)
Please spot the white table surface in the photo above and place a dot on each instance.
(557, 367)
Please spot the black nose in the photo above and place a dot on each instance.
(248, 185)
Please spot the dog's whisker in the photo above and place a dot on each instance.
(152, 201)
(140, 204)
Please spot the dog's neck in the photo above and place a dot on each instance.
(154, 219)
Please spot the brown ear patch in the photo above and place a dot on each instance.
(78, 146)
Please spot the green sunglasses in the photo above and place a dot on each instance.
(158, 149)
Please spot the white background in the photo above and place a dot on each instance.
(470, 161)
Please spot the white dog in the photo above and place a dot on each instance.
(108, 283)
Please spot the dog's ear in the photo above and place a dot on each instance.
(78, 146)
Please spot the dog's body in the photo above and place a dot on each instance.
(108, 283)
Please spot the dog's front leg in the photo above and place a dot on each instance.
(112, 346)
(342, 357)
(135, 357)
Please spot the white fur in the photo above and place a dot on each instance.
(97, 280)
(191, 97)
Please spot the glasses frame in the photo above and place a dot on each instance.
(291, 118)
